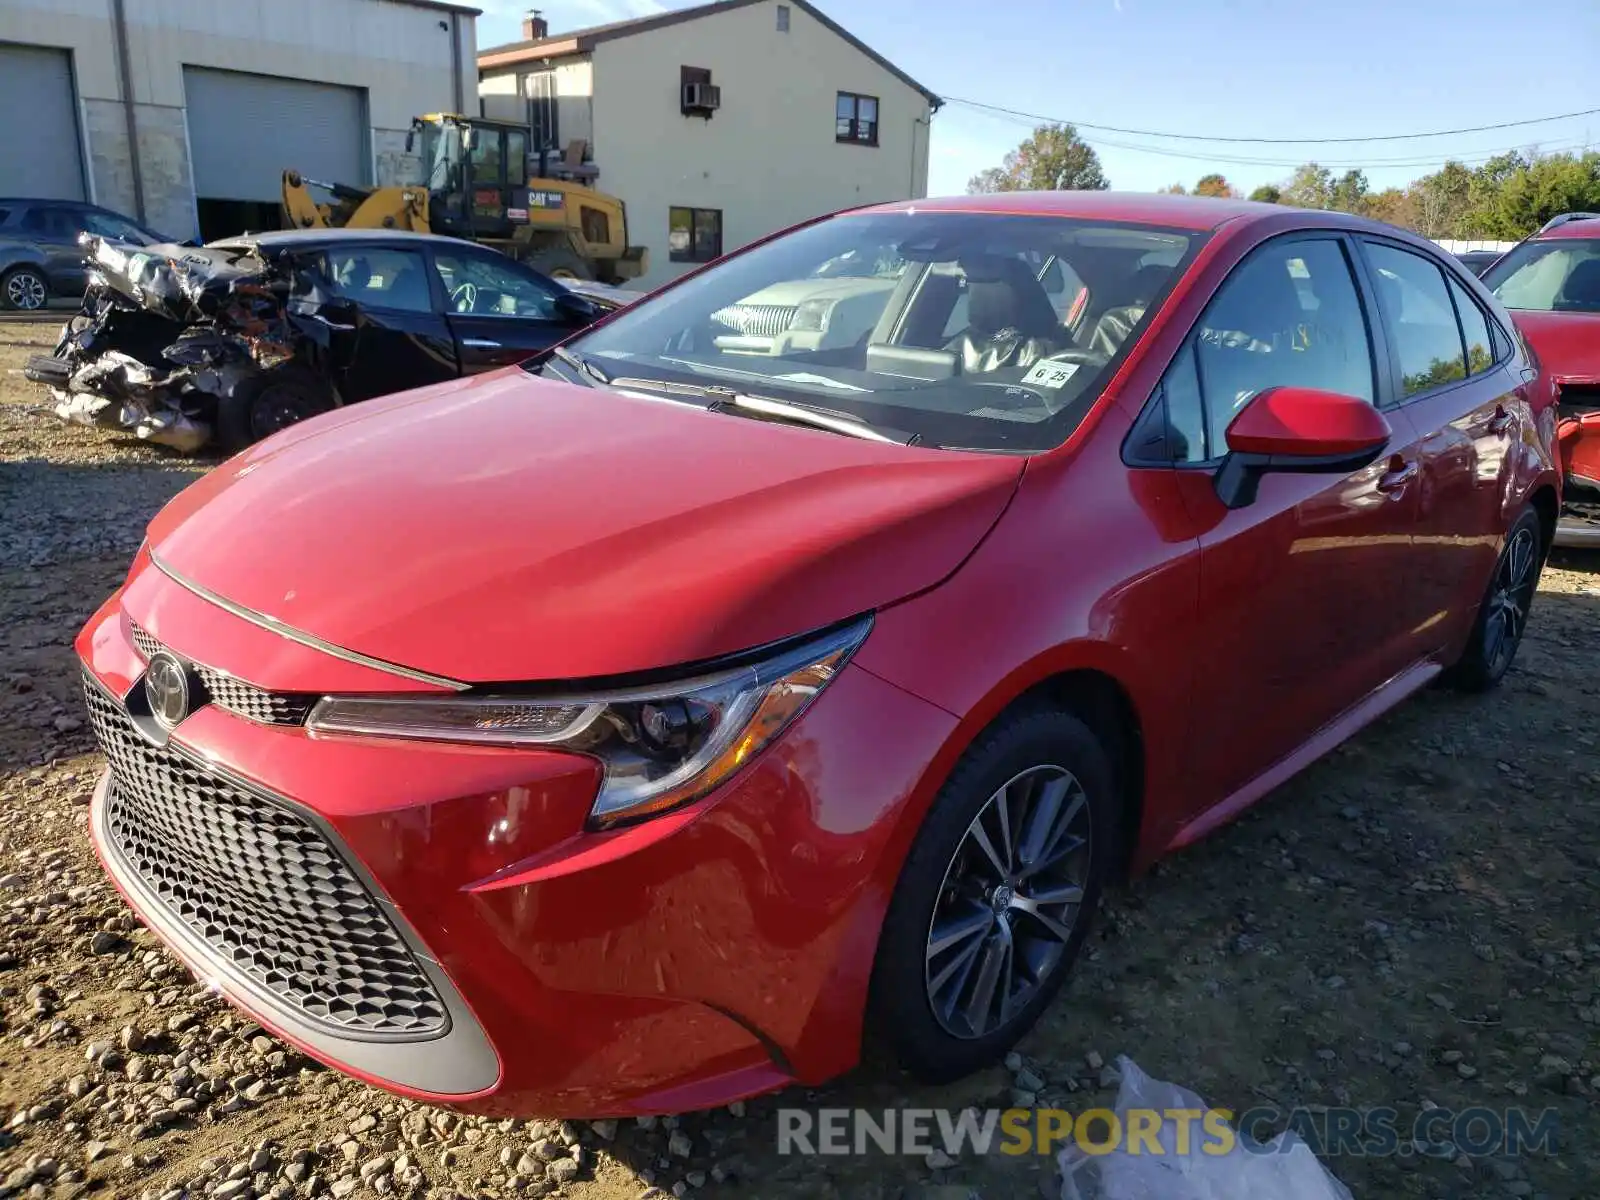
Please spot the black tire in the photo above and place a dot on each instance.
(905, 974)
(1503, 614)
(24, 289)
(559, 262)
(260, 407)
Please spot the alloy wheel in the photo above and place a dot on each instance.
(1011, 900)
(1510, 599)
(26, 291)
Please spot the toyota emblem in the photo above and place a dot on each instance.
(166, 687)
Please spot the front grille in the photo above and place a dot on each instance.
(262, 887)
(756, 320)
(238, 697)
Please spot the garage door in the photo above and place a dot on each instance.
(39, 154)
(245, 129)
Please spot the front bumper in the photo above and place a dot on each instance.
(697, 958)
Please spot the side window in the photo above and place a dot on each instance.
(50, 222)
(1419, 317)
(487, 285)
(381, 278)
(1289, 316)
(108, 225)
(1474, 331)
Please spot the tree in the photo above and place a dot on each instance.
(1215, 185)
(1394, 206)
(1443, 201)
(1531, 194)
(1349, 194)
(1311, 186)
(1054, 159)
(1173, 189)
(1267, 194)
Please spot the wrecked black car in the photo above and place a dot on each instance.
(224, 344)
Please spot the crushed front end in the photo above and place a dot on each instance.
(169, 336)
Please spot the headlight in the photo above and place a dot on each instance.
(812, 316)
(661, 746)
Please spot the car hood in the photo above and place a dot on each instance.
(1567, 343)
(507, 528)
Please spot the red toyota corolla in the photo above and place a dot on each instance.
(793, 657)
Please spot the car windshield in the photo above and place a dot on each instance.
(1561, 275)
(971, 330)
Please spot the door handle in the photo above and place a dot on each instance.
(1400, 473)
(480, 343)
(1502, 421)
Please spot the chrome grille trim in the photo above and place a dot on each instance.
(757, 320)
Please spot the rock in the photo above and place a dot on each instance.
(1093, 1061)
(938, 1160)
(1013, 1062)
(1029, 1082)
(1109, 1077)
(563, 1170)
(233, 1187)
(530, 1165)
(365, 1123)
(1466, 1070)
(67, 724)
(1451, 1056)
(695, 1179)
(1023, 1099)
(344, 1186)
(1440, 1000)
(679, 1145)
(95, 1151)
(104, 942)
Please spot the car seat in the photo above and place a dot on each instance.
(1010, 320)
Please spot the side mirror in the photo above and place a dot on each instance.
(1299, 430)
(580, 310)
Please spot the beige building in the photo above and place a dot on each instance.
(721, 123)
(185, 112)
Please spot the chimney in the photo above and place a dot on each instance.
(534, 27)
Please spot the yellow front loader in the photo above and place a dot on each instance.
(478, 187)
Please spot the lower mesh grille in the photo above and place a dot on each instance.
(262, 887)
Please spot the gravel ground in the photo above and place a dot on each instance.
(1409, 924)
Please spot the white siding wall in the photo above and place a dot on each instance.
(397, 53)
(768, 157)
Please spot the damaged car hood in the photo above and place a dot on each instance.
(181, 283)
(507, 527)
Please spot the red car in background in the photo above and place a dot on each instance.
(1551, 285)
(640, 729)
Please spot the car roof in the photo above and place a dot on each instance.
(1197, 213)
(275, 238)
(11, 201)
(1579, 227)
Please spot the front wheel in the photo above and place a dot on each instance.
(996, 895)
(1503, 614)
(24, 289)
(260, 407)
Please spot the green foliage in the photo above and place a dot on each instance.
(1054, 159)
(1268, 194)
(1349, 194)
(1311, 186)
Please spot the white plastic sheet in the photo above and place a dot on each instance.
(1282, 1169)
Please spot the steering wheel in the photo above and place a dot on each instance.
(465, 297)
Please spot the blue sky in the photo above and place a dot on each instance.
(1257, 68)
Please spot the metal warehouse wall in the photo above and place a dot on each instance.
(407, 58)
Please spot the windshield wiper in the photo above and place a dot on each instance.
(724, 399)
(766, 408)
(582, 365)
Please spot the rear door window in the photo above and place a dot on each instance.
(381, 278)
(50, 222)
(1474, 331)
(1419, 316)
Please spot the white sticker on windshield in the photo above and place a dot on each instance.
(1051, 374)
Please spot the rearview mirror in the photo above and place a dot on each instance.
(1299, 430)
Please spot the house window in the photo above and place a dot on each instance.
(783, 18)
(857, 119)
(694, 235)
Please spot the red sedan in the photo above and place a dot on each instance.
(793, 657)
(1551, 284)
